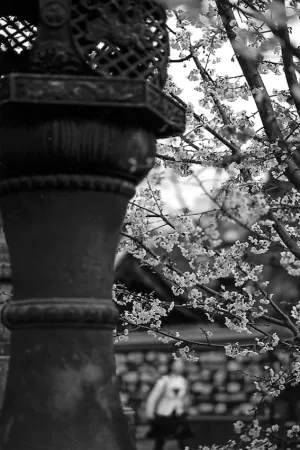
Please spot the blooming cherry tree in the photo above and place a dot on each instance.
(256, 149)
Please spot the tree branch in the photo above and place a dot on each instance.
(206, 77)
(261, 97)
(255, 14)
(186, 58)
(287, 58)
(285, 237)
(235, 157)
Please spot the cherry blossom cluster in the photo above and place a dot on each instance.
(243, 127)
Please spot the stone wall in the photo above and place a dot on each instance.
(218, 386)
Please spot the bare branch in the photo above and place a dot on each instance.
(186, 58)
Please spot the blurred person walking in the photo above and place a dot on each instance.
(166, 407)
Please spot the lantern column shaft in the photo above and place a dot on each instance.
(61, 388)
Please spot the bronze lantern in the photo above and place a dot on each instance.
(81, 107)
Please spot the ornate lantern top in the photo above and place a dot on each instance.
(122, 38)
(106, 53)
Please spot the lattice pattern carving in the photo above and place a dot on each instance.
(16, 39)
(16, 35)
(122, 38)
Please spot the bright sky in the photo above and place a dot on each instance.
(186, 194)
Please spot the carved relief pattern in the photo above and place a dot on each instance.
(67, 312)
(80, 182)
(54, 14)
(77, 90)
(74, 153)
(94, 91)
(122, 38)
(54, 57)
(55, 54)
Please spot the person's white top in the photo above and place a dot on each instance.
(168, 396)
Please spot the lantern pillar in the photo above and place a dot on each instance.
(81, 107)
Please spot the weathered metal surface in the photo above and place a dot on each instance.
(62, 244)
(81, 106)
(119, 47)
(123, 38)
(125, 97)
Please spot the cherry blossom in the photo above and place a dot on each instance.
(243, 125)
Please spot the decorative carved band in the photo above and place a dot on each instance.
(61, 181)
(54, 14)
(140, 99)
(59, 312)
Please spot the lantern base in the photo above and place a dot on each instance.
(62, 393)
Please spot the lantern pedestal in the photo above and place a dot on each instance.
(61, 387)
(61, 392)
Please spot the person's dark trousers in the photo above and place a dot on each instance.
(160, 442)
